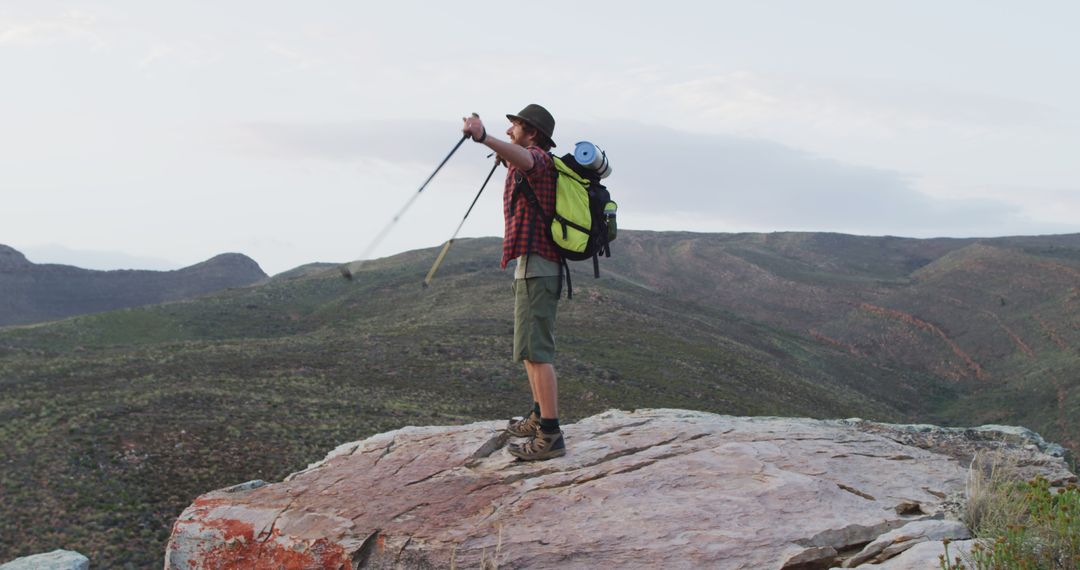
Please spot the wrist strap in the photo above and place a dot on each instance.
(483, 136)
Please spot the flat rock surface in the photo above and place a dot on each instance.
(55, 560)
(644, 489)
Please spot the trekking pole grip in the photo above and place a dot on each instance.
(483, 135)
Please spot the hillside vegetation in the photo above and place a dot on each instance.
(112, 423)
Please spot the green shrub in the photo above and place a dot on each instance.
(1019, 525)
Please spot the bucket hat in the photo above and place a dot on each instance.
(538, 118)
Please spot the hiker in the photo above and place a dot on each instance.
(537, 277)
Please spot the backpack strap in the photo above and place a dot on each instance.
(522, 188)
(564, 270)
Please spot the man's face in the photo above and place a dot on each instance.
(517, 135)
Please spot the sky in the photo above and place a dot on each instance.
(157, 135)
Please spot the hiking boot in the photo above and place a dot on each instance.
(525, 427)
(541, 446)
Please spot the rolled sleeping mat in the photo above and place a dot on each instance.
(592, 157)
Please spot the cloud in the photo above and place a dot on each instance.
(767, 185)
(862, 107)
(731, 180)
(402, 141)
(296, 60)
(156, 54)
(72, 25)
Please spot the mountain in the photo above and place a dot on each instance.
(31, 293)
(116, 421)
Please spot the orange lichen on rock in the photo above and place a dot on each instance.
(239, 549)
(232, 529)
(247, 554)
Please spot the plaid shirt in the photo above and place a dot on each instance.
(519, 215)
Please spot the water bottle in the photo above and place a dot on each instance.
(609, 214)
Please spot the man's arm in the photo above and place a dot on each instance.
(508, 151)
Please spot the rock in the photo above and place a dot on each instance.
(1034, 455)
(55, 560)
(894, 542)
(253, 484)
(814, 557)
(1017, 434)
(651, 488)
(908, 508)
(924, 556)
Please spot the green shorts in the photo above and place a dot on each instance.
(535, 302)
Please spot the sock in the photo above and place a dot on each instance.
(549, 425)
(536, 409)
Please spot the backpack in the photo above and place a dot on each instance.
(583, 224)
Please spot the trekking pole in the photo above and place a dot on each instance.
(446, 248)
(348, 269)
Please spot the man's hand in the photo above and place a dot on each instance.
(509, 153)
(474, 127)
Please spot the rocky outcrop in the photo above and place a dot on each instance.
(894, 542)
(924, 556)
(32, 292)
(55, 560)
(651, 488)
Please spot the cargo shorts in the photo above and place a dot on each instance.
(535, 302)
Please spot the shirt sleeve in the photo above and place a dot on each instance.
(542, 165)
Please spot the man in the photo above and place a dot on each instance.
(537, 277)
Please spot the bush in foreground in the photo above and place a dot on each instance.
(1019, 525)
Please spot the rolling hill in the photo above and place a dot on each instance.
(32, 292)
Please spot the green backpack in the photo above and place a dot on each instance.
(583, 224)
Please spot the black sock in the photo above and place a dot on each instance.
(536, 409)
(549, 425)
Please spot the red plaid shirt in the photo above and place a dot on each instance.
(519, 215)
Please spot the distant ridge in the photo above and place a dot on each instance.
(11, 259)
(32, 293)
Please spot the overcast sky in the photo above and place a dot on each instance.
(156, 135)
